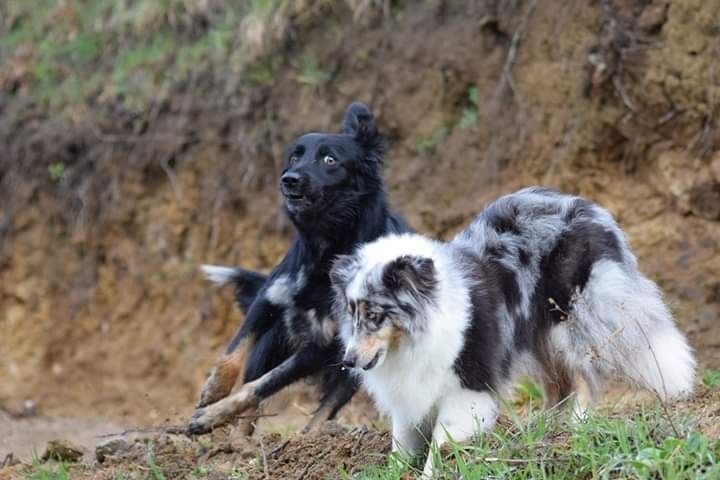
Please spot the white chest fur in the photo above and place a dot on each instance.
(414, 378)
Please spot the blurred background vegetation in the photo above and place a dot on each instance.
(63, 52)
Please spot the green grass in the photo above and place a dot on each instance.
(156, 472)
(544, 446)
(711, 378)
(45, 472)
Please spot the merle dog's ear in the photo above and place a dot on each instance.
(411, 273)
(343, 269)
(359, 122)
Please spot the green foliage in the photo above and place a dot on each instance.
(237, 474)
(312, 74)
(139, 49)
(56, 171)
(263, 9)
(711, 378)
(80, 46)
(78, 49)
(261, 73)
(141, 56)
(469, 115)
(425, 146)
(544, 446)
(200, 472)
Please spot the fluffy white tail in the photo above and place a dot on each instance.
(219, 275)
(621, 326)
(665, 364)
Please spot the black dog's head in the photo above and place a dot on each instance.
(328, 174)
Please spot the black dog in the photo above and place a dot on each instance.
(334, 195)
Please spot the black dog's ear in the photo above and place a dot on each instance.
(411, 273)
(344, 267)
(359, 122)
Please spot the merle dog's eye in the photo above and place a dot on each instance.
(374, 317)
(293, 160)
(329, 160)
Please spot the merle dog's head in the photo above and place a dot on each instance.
(382, 295)
(327, 175)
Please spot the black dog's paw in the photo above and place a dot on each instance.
(198, 423)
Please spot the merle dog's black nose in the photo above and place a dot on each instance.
(290, 180)
(349, 360)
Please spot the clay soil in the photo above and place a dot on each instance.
(106, 323)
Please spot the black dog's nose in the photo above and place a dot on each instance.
(349, 360)
(290, 179)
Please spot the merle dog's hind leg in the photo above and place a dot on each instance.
(305, 362)
(557, 384)
(339, 389)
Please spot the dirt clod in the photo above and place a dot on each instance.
(323, 454)
(62, 451)
(112, 448)
(705, 200)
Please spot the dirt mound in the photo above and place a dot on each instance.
(321, 455)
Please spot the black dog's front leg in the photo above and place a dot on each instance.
(339, 389)
(260, 318)
(304, 362)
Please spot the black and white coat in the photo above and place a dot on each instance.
(334, 195)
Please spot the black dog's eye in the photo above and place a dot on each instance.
(374, 317)
(329, 160)
(293, 159)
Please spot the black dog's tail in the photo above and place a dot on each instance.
(247, 283)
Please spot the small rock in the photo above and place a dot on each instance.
(714, 295)
(705, 200)
(715, 166)
(62, 451)
(29, 409)
(707, 316)
(653, 17)
(112, 448)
